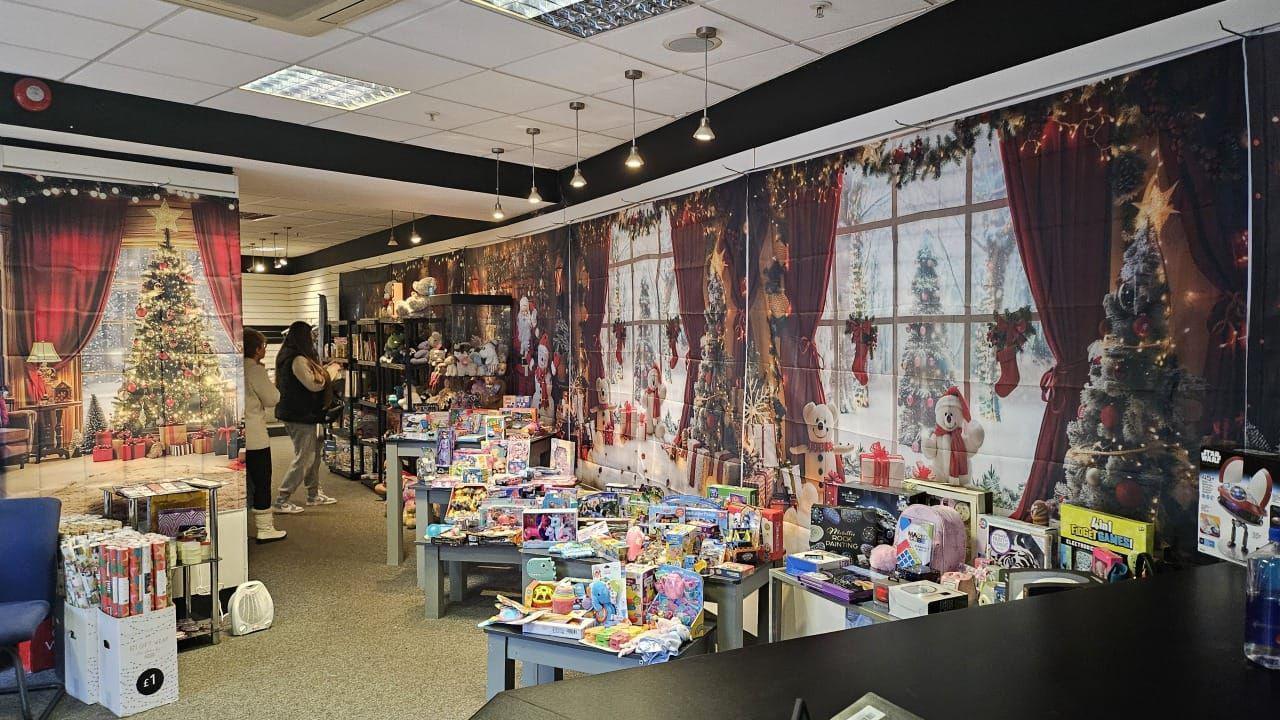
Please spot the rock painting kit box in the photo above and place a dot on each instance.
(1239, 501)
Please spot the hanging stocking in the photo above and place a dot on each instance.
(860, 363)
(863, 334)
(620, 338)
(673, 335)
(1008, 359)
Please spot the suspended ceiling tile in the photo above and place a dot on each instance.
(752, 70)
(623, 132)
(674, 95)
(391, 14)
(131, 13)
(141, 82)
(839, 40)
(269, 106)
(455, 142)
(504, 93)
(798, 21)
(645, 40)
(597, 116)
(511, 130)
(32, 27)
(415, 108)
(390, 64)
(551, 160)
(589, 144)
(192, 60)
(375, 127)
(244, 37)
(582, 68)
(473, 34)
(29, 61)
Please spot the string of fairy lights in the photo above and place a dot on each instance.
(45, 187)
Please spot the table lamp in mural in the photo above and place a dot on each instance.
(43, 354)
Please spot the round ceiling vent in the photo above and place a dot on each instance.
(691, 43)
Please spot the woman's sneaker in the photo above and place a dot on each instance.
(321, 499)
(285, 508)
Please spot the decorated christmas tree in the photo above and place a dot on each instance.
(925, 374)
(94, 423)
(1128, 446)
(709, 423)
(171, 375)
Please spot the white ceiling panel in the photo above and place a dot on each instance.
(131, 13)
(32, 27)
(511, 130)
(623, 132)
(645, 40)
(375, 127)
(500, 92)
(392, 14)
(192, 60)
(141, 82)
(29, 61)
(843, 39)
(390, 64)
(520, 157)
(473, 34)
(245, 37)
(797, 21)
(597, 116)
(590, 144)
(414, 108)
(752, 70)
(268, 106)
(454, 142)
(672, 95)
(581, 67)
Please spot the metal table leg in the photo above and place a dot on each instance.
(764, 626)
(502, 669)
(535, 674)
(457, 580)
(433, 582)
(775, 610)
(395, 531)
(729, 619)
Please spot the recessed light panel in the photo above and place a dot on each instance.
(584, 18)
(322, 88)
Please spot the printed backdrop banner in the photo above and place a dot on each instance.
(121, 322)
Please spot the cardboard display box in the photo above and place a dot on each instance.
(138, 661)
(80, 652)
(1239, 501)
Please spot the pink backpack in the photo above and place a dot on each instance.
(950, 538)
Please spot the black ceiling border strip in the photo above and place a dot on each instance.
(82, 110)
(955, 43)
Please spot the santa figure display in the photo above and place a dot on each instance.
(526, 334)
(544, 367)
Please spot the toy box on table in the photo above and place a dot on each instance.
(851, 531)
(1009, 543)
(892, 500)
(1106, 545)
(1239, 501)
(969, 502)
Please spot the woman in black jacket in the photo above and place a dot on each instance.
(302, 382)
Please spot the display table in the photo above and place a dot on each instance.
(545, 658)
(778, 577)
(728, 597)
(433, 558)
(397, 448)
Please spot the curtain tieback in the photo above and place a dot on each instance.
(809, 349)
(1227, 320)
(1051, 383)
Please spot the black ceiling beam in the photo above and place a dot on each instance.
(957, 42)
(106, 114)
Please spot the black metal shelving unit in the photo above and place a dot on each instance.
(367, 421)
(339, 448)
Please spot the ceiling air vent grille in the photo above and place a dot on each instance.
(300, 17)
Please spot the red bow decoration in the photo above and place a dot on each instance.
(225, 432)
(923, 472)
(878, 451)
(879, 456)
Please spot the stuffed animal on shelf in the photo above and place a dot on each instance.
(544, 369)
(391, 348)
(410, 513)
(954, 440)
(654, 393)
(489, 358)
(461, 362)
(421, 355)
(416, 303)
(389, 292)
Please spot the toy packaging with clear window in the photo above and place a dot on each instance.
(1106, 545)
(1239, 501)
(1012, 543)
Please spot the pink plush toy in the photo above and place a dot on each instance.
(635, 543)
(883, 558)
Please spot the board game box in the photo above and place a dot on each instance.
(1096, 542)
(1012, 543)
(1239, 501)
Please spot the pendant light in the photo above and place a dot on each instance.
(414, 237)
(634, 160)
(258, 265)
(497, 183)
(704, 133)
(577, 181)
(275, 247)
(534, 197)
(391, 239)
(284, 259)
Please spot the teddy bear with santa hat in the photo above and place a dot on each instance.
(954, 440)
(544, 367)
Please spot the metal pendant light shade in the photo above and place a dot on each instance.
(577, 181)
(704, 132)
(534, 197)
(497, 183)
(634, 160)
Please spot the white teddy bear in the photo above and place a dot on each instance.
(423, 288)
(821, 459)
(954, 439)
(654, 393)
(489, 360)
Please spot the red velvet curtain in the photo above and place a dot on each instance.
(218, 237)
(60, 262)
(1215, 223)
(689, 250)
(1061, 206)
(594, 240)
(731, 201)
(806, 212)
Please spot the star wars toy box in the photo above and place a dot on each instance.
(1010, 543)
(1099, 543)
(1239, 501)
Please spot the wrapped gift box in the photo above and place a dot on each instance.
(881, 468)
(173, 434)
(103, 453)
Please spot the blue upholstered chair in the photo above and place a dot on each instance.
(29, 546)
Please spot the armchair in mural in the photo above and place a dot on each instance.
(17, 437)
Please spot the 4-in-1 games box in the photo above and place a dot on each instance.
(1239, 501)
(1096, 542)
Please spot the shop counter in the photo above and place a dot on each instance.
(1132, 649)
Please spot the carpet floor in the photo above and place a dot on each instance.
(349, 640)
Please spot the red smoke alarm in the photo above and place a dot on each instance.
(32, 95)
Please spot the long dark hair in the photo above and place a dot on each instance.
(298, 341)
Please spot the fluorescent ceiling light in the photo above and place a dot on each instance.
(322, 88)
(584, 18)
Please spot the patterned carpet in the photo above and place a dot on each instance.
(349, 641)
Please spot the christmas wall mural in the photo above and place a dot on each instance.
(121, 327)
(1065, 276)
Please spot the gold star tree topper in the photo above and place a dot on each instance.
(166, 217)
(1155, 208)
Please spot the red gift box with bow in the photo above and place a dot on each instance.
(103, 453)
(881, 468)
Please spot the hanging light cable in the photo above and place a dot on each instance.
(258, 265)
(414, 237)
(633, 158)
(284, 259)
(577, 180)
(497, 184)
(534, 197)
(704, 133)
(391, 239)
(275, 247)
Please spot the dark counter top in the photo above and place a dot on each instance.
(1172, 641)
